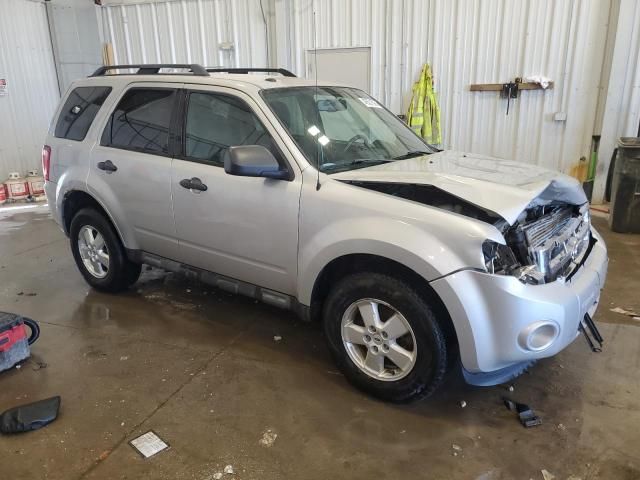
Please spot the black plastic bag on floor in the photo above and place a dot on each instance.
(30, 417)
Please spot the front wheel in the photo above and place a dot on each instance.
(99, 254)
(385, 337)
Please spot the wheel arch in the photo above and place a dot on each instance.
(76, 200)
(361, 262)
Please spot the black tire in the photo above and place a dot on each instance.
(431, 360)
(121, 272)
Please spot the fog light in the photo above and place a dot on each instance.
(538, 336)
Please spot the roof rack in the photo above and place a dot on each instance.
(282, 71)
(152, 68)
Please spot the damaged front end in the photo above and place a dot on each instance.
(545, 244)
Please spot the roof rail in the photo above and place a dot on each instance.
(282, 71)
(152, 68)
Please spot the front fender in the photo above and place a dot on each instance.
(340, 219)
(391, 239)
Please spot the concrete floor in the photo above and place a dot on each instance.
(201, 368)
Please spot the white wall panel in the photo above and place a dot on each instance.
(465, 41)
(76, 39)
(188, 31)
(27, 63)
(475, 41)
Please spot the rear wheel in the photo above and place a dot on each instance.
(385, 337)
(99, 254)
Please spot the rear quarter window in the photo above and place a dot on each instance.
(79, 111)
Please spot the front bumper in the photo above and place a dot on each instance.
(491, 313)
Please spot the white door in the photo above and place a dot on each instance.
(347, 66)
(242, 227)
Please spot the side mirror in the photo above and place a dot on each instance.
(253, 161)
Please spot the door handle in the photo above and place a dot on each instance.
(193, 184)
(107, 166)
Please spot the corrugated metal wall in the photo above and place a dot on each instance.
(466, 41)
(27, 64)
(474, 41)
(622, 98)
(210, 32)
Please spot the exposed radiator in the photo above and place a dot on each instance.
(547, 226)
(557, 240)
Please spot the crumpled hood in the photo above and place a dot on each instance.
(502, 186)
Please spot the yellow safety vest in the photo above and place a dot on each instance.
(423, 115)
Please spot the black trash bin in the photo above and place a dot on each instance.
(624, 214)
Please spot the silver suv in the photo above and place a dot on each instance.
(315, 198)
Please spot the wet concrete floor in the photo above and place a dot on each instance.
(201, 368)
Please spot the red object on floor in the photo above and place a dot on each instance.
(11, 336)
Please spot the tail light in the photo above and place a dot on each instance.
(46, 161)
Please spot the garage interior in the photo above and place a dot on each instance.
(240, 389)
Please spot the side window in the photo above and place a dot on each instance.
(215, 122)
(78, 112)
(141, 121)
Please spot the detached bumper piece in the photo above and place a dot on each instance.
(588, 328)
(526, 415)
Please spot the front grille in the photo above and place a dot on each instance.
(557, 241)
(548, 226)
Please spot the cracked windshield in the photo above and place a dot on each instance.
(342, 129)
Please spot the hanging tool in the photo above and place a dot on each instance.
(509, 90)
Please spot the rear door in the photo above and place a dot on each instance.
(130, 168)
(245, 228)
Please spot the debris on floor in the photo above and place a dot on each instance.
(149, 444)
(463, 404)
(525, 414)
(228, 470)
(456, 449)
(546, 475)
(277, 338)
(38, 365)
(268, 439)
(31, 416)
(628, 313)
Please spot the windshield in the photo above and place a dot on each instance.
(340, 128)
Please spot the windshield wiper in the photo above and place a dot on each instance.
(369, 160)
(347, 166)
(414, 153)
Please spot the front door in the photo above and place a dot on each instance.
(242, 227)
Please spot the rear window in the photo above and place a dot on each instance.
(79, 110)
(141, 121)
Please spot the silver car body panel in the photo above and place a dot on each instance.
(490, 311)
(241, 227)
(280, 235)
(502, 186)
